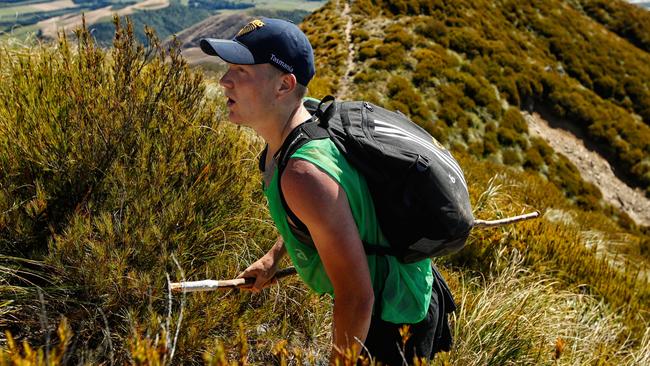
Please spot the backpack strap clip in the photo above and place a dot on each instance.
(325, 114)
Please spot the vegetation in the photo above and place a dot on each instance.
(542, 53)
(113, 164)
(118, 173)
(166, 21)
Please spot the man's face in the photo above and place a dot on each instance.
(250, 90)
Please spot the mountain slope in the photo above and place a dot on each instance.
(457, 54)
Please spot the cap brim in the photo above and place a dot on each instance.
(229, 51)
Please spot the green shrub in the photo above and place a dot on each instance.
(507, 136)
(360, 35)
(406, 99)
(396, 34)
(390, 56)
(533, 159)
(511, 157)
(513, 119)
(433, 29)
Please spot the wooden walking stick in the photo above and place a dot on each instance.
(506, 221)
(210, 285)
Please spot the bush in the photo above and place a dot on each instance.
(533, 159)
(433, 29)
(511, 157)
(507, 136)
(360, 35)
(396, 33)
(406, 99)
(390, 56)
(513, 119)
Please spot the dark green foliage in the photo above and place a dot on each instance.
(165, 21)
(533, 159)
(360, 35)
(624, 19)
(512, 119)
(368, 49)
(507, 136)
(396, 33)
(389, 56)
(406, 100)
(511, 157)
(434, 29)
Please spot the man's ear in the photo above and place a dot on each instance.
(288, 84)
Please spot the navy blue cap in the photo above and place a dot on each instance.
(266, 40)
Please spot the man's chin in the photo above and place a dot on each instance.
(233, 118)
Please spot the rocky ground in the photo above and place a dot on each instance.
(593, 168)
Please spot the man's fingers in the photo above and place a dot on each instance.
(260, 283)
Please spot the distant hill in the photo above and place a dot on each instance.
(225, 26)
(24, 18)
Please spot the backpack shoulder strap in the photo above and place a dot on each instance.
(298, 137)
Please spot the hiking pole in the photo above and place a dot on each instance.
(506, 221)
(210, 285)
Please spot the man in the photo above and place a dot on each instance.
(270, 63)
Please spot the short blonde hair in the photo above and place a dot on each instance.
(300, 90)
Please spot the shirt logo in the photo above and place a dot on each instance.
(301, 255)
(255, 24)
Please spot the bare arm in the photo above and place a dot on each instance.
(264, 268)
(322, 205)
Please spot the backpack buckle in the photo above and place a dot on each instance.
(421, 164)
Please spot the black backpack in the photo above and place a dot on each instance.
(418, 188)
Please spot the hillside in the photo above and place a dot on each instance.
(553, 61)
(119, 173)
(40, 19)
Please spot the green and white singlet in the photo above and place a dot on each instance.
(406, 291)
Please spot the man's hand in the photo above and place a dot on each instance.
(265, 268)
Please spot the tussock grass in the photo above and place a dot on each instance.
(515, 316)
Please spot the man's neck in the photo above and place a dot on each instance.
(278, 132)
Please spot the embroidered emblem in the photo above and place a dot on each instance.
(255, 24)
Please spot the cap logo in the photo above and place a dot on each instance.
(255, 24)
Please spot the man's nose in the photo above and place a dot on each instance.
(225, 80)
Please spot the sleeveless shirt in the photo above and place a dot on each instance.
(403, 290)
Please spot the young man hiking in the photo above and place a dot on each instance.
(270, 63)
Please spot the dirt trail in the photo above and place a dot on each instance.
(53, 5)
(593, 168)
(50, 26)
(345, 80)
